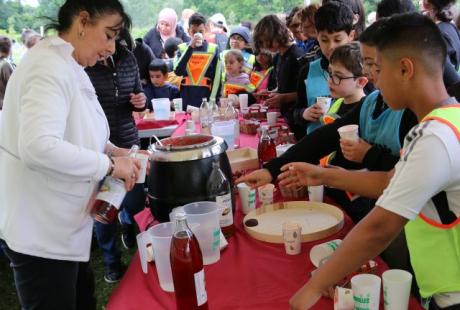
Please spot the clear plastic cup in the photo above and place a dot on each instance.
(324, 102)
(243, 99)
(247, 198)
(161, 108)
(225, 130)
(178, 105)
(161, 235)
(206, 214)
(316, 193)
(272, 117)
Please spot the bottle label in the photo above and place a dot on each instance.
(201, 296)
(112, 191)
(226, 215)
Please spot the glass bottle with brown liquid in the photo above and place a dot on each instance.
(219, 190)
(187, 267)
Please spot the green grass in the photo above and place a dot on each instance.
(8, 297)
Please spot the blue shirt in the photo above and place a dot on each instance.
(166, 91)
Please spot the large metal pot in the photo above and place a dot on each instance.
(179, 170)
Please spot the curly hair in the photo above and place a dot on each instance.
(271, 29)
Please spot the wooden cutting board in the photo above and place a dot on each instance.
(318, 220)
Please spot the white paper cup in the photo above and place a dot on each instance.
(266, 194)
(272, 117)
(178, 106)
(292, 236)
(143, 158)
(349, 132)
(315, 193)
(343, 299)
(199, 37)
(243, 98)
(247, 198)
(366, 291)
(324, 103)
(190, 125)
(396, 289)
(321, 252)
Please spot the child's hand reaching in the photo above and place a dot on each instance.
(313, 113)
(300, 174)
(354, 151)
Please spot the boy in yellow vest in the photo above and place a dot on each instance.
(422, 193)
(196, 63)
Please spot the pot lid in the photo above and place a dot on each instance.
(184, 143)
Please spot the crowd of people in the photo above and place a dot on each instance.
(67, 122)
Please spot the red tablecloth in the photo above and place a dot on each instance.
(249, 275)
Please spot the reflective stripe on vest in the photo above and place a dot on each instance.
(233, 88)
(257, 77)
(435, 248)
(331, 114)
(316, 85)
(382, 131)
(198, 65)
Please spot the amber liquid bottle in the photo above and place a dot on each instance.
(219, 190)
(267, 148)
(187, 267)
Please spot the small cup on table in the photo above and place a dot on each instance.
(366, 291)
(396, 289)
(292, 236)
(247, 198)
(266, 194)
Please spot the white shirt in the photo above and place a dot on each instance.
(430, 164)
(52, 137)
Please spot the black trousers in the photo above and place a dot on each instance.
(51, 284)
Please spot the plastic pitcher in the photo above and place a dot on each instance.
(225, 130)
(161, 235)
(206, 214)
(161, 108)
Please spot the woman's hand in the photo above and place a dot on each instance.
(138, 100)
(256, 178)
(126, 169)
(300, 174)
(354, 151)
(313, 113)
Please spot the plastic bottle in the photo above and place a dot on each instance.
(187, 267)
(219, 190)
(205, 122)
(267, 148)
(110, 196)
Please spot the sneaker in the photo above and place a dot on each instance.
(128, 234)
(112, 274)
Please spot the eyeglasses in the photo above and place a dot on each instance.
(336, 79)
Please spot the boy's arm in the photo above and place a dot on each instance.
(367, 240)
(301, 103)
(180, 62)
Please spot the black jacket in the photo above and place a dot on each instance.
(113, 84)
(144, 57)
(153, 39)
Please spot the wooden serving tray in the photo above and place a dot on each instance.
(318, 220)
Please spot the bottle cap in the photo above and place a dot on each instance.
(180, 216)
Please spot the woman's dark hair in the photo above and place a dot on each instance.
(349, 56)
(386, 8)
(5, 45)
(159, 65)
(269, 29)
(443, 9)
(95, 9)
(358, 8)
(125, 38)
